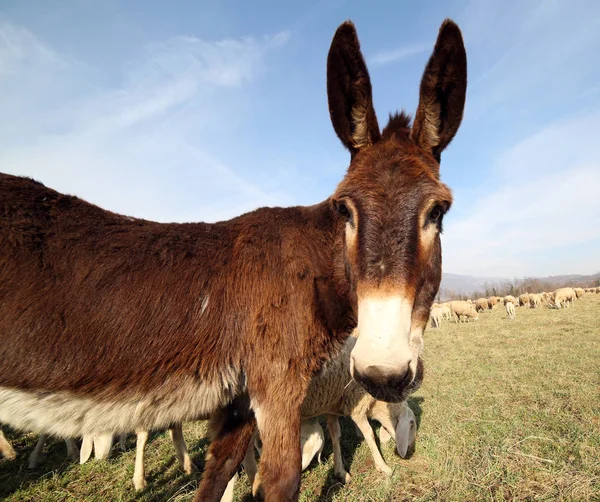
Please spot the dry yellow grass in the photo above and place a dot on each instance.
(508, 410)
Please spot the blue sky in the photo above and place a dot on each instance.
(199, 111)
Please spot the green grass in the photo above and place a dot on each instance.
(508, 410)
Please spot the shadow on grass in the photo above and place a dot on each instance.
(162, 485)
(165, 487)
(14, 474)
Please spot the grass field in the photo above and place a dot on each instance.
(508, 410)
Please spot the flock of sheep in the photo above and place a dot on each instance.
(332, 393)
(467, 310)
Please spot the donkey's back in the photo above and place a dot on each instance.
(110, 323)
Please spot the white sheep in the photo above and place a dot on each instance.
(436, 317)
(510, 310)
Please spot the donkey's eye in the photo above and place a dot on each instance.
(436, 214)
(343, 210)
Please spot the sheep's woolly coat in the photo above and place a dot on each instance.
(334, 392)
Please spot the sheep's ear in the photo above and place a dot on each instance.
(87, 446)
(442, 93)
(406, 432)
(403, 437)
(349, 91)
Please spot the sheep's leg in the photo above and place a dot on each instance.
(388, 427)
(365, 427)
(228, 494)
(249, 462)
(36, 454)
(122, 438)
(233, 428)
(72, 450)
(181, 451)
(102, 446)
(8, 452)
(139, 475)
(333, 424)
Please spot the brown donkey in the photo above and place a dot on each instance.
(110, 324)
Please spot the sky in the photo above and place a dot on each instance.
(200, 111)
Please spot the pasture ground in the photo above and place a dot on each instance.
(508, 410)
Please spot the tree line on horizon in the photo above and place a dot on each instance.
(515, 288)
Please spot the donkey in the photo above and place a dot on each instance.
(110, 324)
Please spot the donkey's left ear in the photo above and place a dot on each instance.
(442, 93)
(349, 91)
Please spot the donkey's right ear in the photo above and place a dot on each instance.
(349, 91)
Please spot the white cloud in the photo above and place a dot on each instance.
(386, 57)
(124, 148)
(545, 200)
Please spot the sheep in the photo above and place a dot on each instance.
(334, 393)
(462, 308)
(523, 300)
(446, 311)
(535, 300)
(510, 310)
(436, 317)
(511, 299)
(598, 290)
(482, 304)
(8, 452)
(493, 302)
(405, 437)
(563, 297)
(578, 292)
(102, 444)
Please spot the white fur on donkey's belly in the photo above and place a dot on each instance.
(66, 414)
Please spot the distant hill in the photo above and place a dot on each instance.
(456, 284)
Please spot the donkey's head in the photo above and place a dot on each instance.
(393, 202)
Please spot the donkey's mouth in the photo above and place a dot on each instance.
(389, 388)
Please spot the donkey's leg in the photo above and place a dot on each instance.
(181, 451)
(36, 454)
(281, 459)
(6, 448)
(234, 427)
(139, 474)
(333, 424)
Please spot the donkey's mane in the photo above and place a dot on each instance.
(398, 125)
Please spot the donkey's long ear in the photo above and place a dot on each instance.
(442, 93)
(349, 91)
